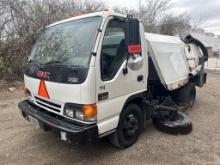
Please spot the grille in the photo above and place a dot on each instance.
(47, 104)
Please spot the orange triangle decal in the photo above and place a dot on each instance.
(42, 91)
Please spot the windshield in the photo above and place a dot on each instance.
(67, 43)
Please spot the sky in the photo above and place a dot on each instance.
(206, 11)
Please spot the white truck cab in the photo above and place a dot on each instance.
(100, 74)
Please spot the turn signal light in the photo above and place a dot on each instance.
(90, 110)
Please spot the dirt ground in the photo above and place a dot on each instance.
(22, 144)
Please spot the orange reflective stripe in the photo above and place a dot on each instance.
(42, 91)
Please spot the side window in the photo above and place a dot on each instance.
(113, 49)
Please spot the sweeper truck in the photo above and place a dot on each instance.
(100, 74)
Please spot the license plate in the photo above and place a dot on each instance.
(34, 122)
(63, 136)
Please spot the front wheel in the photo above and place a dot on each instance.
(129, 127)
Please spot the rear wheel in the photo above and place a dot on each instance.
(129, 127)
(192, 96)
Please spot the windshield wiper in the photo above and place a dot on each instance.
(33, 61)
(54, 62)
(61, 63)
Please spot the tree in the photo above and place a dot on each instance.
(151, 12)
(156, 18)
(175, 25)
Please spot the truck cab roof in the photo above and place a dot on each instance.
(103, 14)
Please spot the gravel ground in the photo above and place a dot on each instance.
(22, 144)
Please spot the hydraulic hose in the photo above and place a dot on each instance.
(191, 39)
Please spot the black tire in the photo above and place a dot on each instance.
(181, 125)
(192, 96)
(129, 127)
(185, 96)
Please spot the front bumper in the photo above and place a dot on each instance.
(58, 124)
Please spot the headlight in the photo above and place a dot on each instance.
(69, 113)
(79, 115)
(86, 113)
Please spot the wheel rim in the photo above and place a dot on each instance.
(130, 126)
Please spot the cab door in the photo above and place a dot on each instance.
(112, 85)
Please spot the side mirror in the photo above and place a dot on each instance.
(135, 62)
(133, 44)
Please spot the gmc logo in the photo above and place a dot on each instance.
(42, 74)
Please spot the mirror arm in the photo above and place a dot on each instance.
(125, 70)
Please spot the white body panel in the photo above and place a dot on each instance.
(120, 88)
(169, 58)
(63, 93)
